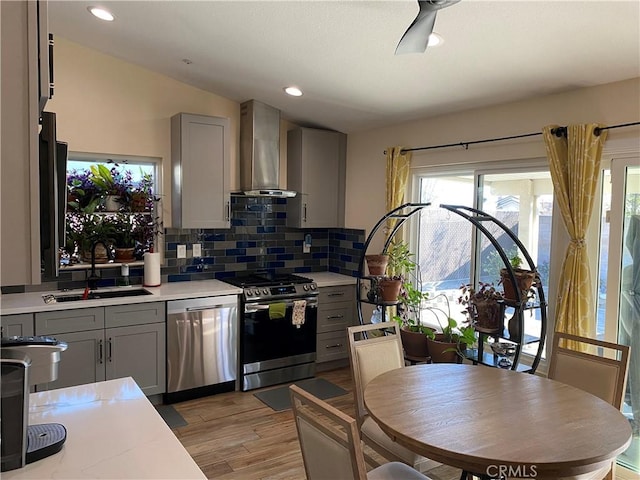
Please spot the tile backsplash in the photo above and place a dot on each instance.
(260, 240)
(257, 240)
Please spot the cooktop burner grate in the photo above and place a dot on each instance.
(266, 279)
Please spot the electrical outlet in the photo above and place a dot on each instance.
(182, 251)
(197, 250)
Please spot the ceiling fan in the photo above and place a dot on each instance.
(416, 37)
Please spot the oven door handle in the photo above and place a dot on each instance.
(255, 307)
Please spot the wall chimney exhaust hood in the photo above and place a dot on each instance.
(260, 150)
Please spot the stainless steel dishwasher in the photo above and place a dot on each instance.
(202, 347)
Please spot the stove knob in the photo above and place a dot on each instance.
(249, 293)
(256, 291)
(305, 287)
(313, 286)
(265, 291)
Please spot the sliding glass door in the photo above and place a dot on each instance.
(618, 318)
(522, 199)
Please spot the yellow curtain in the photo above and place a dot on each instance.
(574, 162)
(398, 165)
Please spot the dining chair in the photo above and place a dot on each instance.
(375, 349)
(601, 369)
(331, 446)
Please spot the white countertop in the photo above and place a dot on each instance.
(113, 431)
(329, 279)
(32, 302)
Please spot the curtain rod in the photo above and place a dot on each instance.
(559, 132)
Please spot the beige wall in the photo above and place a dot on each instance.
(610, 104)
(108, 106)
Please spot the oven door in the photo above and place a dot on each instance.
(268, 332)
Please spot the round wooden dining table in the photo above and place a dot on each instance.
(494, 422)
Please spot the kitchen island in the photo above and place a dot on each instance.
(113, 431)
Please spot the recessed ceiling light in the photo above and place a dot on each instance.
(435, 40)
(101, 13)
(293, 91)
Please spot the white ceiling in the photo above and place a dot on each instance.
(341, 53)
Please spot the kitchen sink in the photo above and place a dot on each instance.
(95, 295)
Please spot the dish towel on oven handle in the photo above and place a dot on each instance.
(299, 310)
(277, 310)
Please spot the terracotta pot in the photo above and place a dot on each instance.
(488, 316)
(414, 343)
(101, 255)
(389, 289)
(138, 202)
(377, 264)
(524, 279)
(437, 351)
(125, 255)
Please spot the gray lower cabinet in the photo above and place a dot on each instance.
(16, 325)
(336, 312)
(109, 342)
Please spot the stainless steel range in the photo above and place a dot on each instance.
(278, 318)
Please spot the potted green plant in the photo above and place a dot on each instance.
(400, 265)
(125, 227)
(114, 185)
(484, 306)
(412, 301)
(524, 280)
(85, 230)
(449, 345)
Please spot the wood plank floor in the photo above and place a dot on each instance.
(234, 436)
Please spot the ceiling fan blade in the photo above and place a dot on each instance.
(416, 38)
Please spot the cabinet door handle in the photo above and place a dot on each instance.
(109, 350)
(100, 351)
(338, 294)
(330, 317)
(304, 212)
(337, 345)
(228, 211)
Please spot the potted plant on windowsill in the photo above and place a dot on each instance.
(85, 230)
(125, 231)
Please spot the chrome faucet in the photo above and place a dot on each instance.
(92, 281)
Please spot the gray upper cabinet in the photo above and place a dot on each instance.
(201, 163)
(316, 170)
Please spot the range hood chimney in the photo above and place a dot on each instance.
(260, 150)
